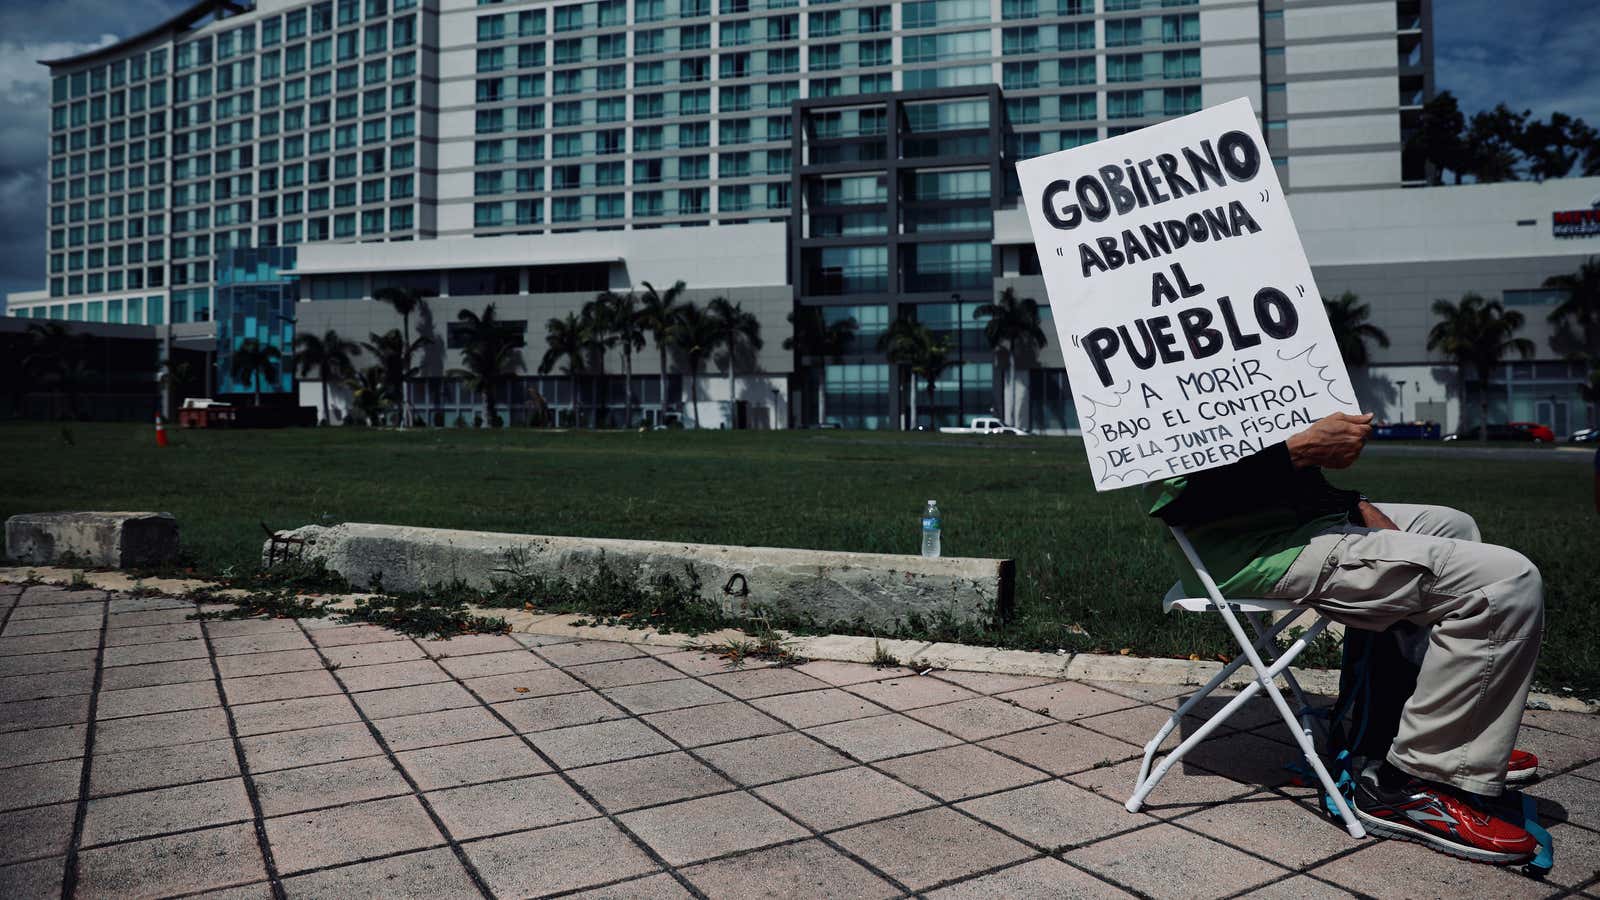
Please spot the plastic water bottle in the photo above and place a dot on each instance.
(930, 531)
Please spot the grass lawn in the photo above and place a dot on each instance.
(1091, 568)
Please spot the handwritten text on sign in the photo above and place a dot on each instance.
(1193, 333)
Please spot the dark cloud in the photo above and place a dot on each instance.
(1530, 54)
(29, 32)
(72, 21)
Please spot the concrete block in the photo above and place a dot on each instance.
(821, 586)
(112, 539)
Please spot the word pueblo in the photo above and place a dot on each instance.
(1154, 339)
(1135, 186)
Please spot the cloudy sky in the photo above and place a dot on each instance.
(1532, 54)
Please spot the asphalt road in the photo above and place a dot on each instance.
(1458, 450)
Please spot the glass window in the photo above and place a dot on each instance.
(856, 395)
(949, 267)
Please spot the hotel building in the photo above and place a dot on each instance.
(248, 170)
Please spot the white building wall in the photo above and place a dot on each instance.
(1334, 22)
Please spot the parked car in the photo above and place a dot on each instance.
(1406, 431)
(1528, 432)
(1585, 436)
(983, 425)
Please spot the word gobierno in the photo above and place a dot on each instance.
(1119, 190)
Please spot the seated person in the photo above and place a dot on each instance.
(1271, 526)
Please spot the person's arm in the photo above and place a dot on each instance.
(1332, 442)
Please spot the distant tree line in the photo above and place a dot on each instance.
(1501, 144)
(1476, 334)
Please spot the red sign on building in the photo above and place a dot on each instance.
(1575, 222)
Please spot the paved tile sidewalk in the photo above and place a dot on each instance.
(143, 754)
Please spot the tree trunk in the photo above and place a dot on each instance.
(327, 419)
(627, 387)
(573, 411)
(912, 425)
(694, 391)
(405, 363)
(732, 418)
(1011, 384)
(1483, 405)
(255, 383)
(661, 349)
(822, 395)
(932, 424)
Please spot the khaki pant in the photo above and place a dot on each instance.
(1485, 607)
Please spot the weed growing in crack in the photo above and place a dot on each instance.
(881, 657)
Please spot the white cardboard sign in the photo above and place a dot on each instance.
(1193, 333)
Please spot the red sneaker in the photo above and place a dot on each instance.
(1439, 818)
(1522, 768)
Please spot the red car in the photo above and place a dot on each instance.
(1539, 434)
(1530, 432)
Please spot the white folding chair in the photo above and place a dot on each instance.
(1265, 675)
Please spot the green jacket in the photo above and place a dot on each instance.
(1249, 521)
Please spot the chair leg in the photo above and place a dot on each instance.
(1268, 653)
(1264, 678)
(1303, 736)
(1263, 681)
(1148, 780)
(1154, 746)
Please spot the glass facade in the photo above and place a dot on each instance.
(255, 301)
(857, 395)
(319, 121)
(244, 131)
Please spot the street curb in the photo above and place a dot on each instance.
(831, 647)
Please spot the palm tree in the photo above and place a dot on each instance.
(177, 379)
(490, 357)
(1589, 392)
(1351, 329)
(329, 358)
(696, 334)
(599, 335)
(813, 337)
(1014, 325)
(394, 354)
(658, 310)
(55, 359)
(909, 343)
(736, 330)
(368, 393)
(622, 319)
(1476, 334)
(564, 340)
(1577, 319)
(253, 361)
(405, 301)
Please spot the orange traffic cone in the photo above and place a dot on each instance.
(161, 432)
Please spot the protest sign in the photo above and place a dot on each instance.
(1192, 331)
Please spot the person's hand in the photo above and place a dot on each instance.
(1373, 517)
(1332, 442)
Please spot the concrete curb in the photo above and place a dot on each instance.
(822, 586)
(830, 647)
